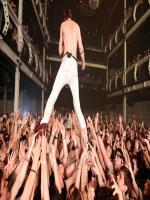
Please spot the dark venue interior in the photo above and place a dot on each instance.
(114, 95)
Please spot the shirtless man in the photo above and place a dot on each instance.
(70, 38)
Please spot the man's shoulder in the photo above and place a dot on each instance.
(76, 24)
(72, 21)
(62, 23)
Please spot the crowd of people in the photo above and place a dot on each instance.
(58, 164)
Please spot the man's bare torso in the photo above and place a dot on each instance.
(70, 33)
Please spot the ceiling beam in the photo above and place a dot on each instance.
(22, 66)
(87, 64)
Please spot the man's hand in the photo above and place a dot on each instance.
(83, 66)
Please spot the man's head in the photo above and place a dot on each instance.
(67, 14)
(118, 159)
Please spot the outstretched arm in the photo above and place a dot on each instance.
(22, 173)
(30, 182)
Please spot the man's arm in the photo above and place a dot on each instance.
(61, 42)
(81, 49)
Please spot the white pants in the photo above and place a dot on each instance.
(67, 74)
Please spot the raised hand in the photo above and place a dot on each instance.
(37, 150)
(116, 188)
(92, 150)
(33, 125)
(33, 138)
(96, 122)
(17, 114)
(74, 138)
(11, 164)
(44, 144)
(54, 126)
(91, 123)
(21, 151)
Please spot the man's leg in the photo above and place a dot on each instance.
(58, 85)
(74, 86)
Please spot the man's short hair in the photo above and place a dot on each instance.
(67, 13)
(119, 153)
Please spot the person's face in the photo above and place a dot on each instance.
(146, 191)
(132, 134)
(117, 162)
(128, 145)
(121, 182)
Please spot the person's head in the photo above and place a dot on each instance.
(104, 193)
(134, 163)
(75, 195)
(118, 159)
(117, 136)
(124, 180)
(67, 14)
(128, 145)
